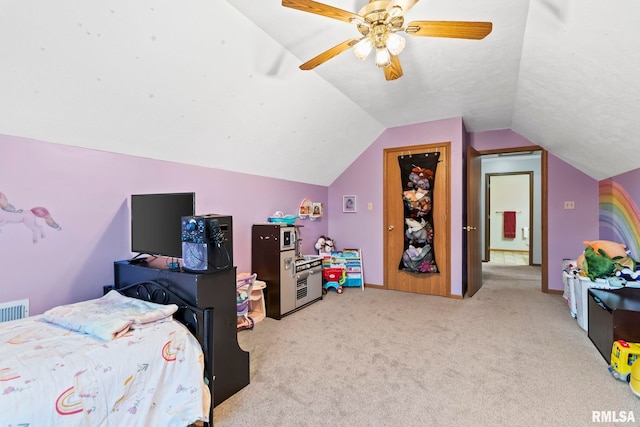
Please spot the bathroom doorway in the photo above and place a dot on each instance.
(508, 166)
(508, 222)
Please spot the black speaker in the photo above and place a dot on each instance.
(207, 243)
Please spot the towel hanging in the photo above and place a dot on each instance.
(509, 224)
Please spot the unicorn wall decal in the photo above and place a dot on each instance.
(10, 215)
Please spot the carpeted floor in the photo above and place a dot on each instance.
(508, 356)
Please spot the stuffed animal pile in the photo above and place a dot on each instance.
(604, 258)
(325, 245)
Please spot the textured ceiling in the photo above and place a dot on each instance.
(216, 83)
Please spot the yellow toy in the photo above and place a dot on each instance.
(634, 381)
(623, 354)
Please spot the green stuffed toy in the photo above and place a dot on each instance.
(603, 258)
(597, 265)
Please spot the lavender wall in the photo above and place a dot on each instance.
(364, 178)
(87, 193)
(569, 228)
(566, 228)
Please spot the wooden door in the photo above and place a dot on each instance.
(394, 278)
(472, 227)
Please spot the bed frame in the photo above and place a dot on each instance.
(199, 321)
(206, 300)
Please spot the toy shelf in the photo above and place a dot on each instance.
(351, 261)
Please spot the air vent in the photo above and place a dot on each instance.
(14, 310)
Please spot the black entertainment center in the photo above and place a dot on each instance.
(164, 226)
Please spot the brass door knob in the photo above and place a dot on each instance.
(469, 228)
(390, 228)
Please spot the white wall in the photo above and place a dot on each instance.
(496, 164)
(509, 192)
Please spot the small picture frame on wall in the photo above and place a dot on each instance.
(349, 203)
(316, 210)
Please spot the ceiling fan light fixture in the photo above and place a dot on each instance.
(378, 22)
(358, 20)
(362, 49)
(395, 12)
(383, 59)
(395, 43)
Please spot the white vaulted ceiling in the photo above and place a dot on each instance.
(216, 83)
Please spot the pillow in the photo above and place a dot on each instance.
(613, 249)
(108, 317)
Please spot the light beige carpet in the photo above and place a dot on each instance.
(508, 356)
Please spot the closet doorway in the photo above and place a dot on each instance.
(394, 220)
(509, 218)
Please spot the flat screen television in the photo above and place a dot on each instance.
(156, 226)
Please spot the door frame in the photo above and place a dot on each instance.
(445, 260)
(544, 160)
(487, 208)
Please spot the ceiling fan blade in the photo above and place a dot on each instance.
(328, 54)
(452, 29)
(320, 9)
(394, 70)
(405, 5)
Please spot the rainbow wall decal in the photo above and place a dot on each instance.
(619, 217)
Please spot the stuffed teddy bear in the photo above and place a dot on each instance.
(416, 231)
(417, 200)
(419, 178)
(325, 245)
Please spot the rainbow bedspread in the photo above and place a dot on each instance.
(53, 376)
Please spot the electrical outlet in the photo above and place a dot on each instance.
(370, 206)
(569, 204)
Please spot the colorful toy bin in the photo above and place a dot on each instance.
(334, 278)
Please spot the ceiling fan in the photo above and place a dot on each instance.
(379, 23)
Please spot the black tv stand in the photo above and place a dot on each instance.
(210, 290)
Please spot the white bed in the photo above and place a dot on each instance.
(148, 372)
